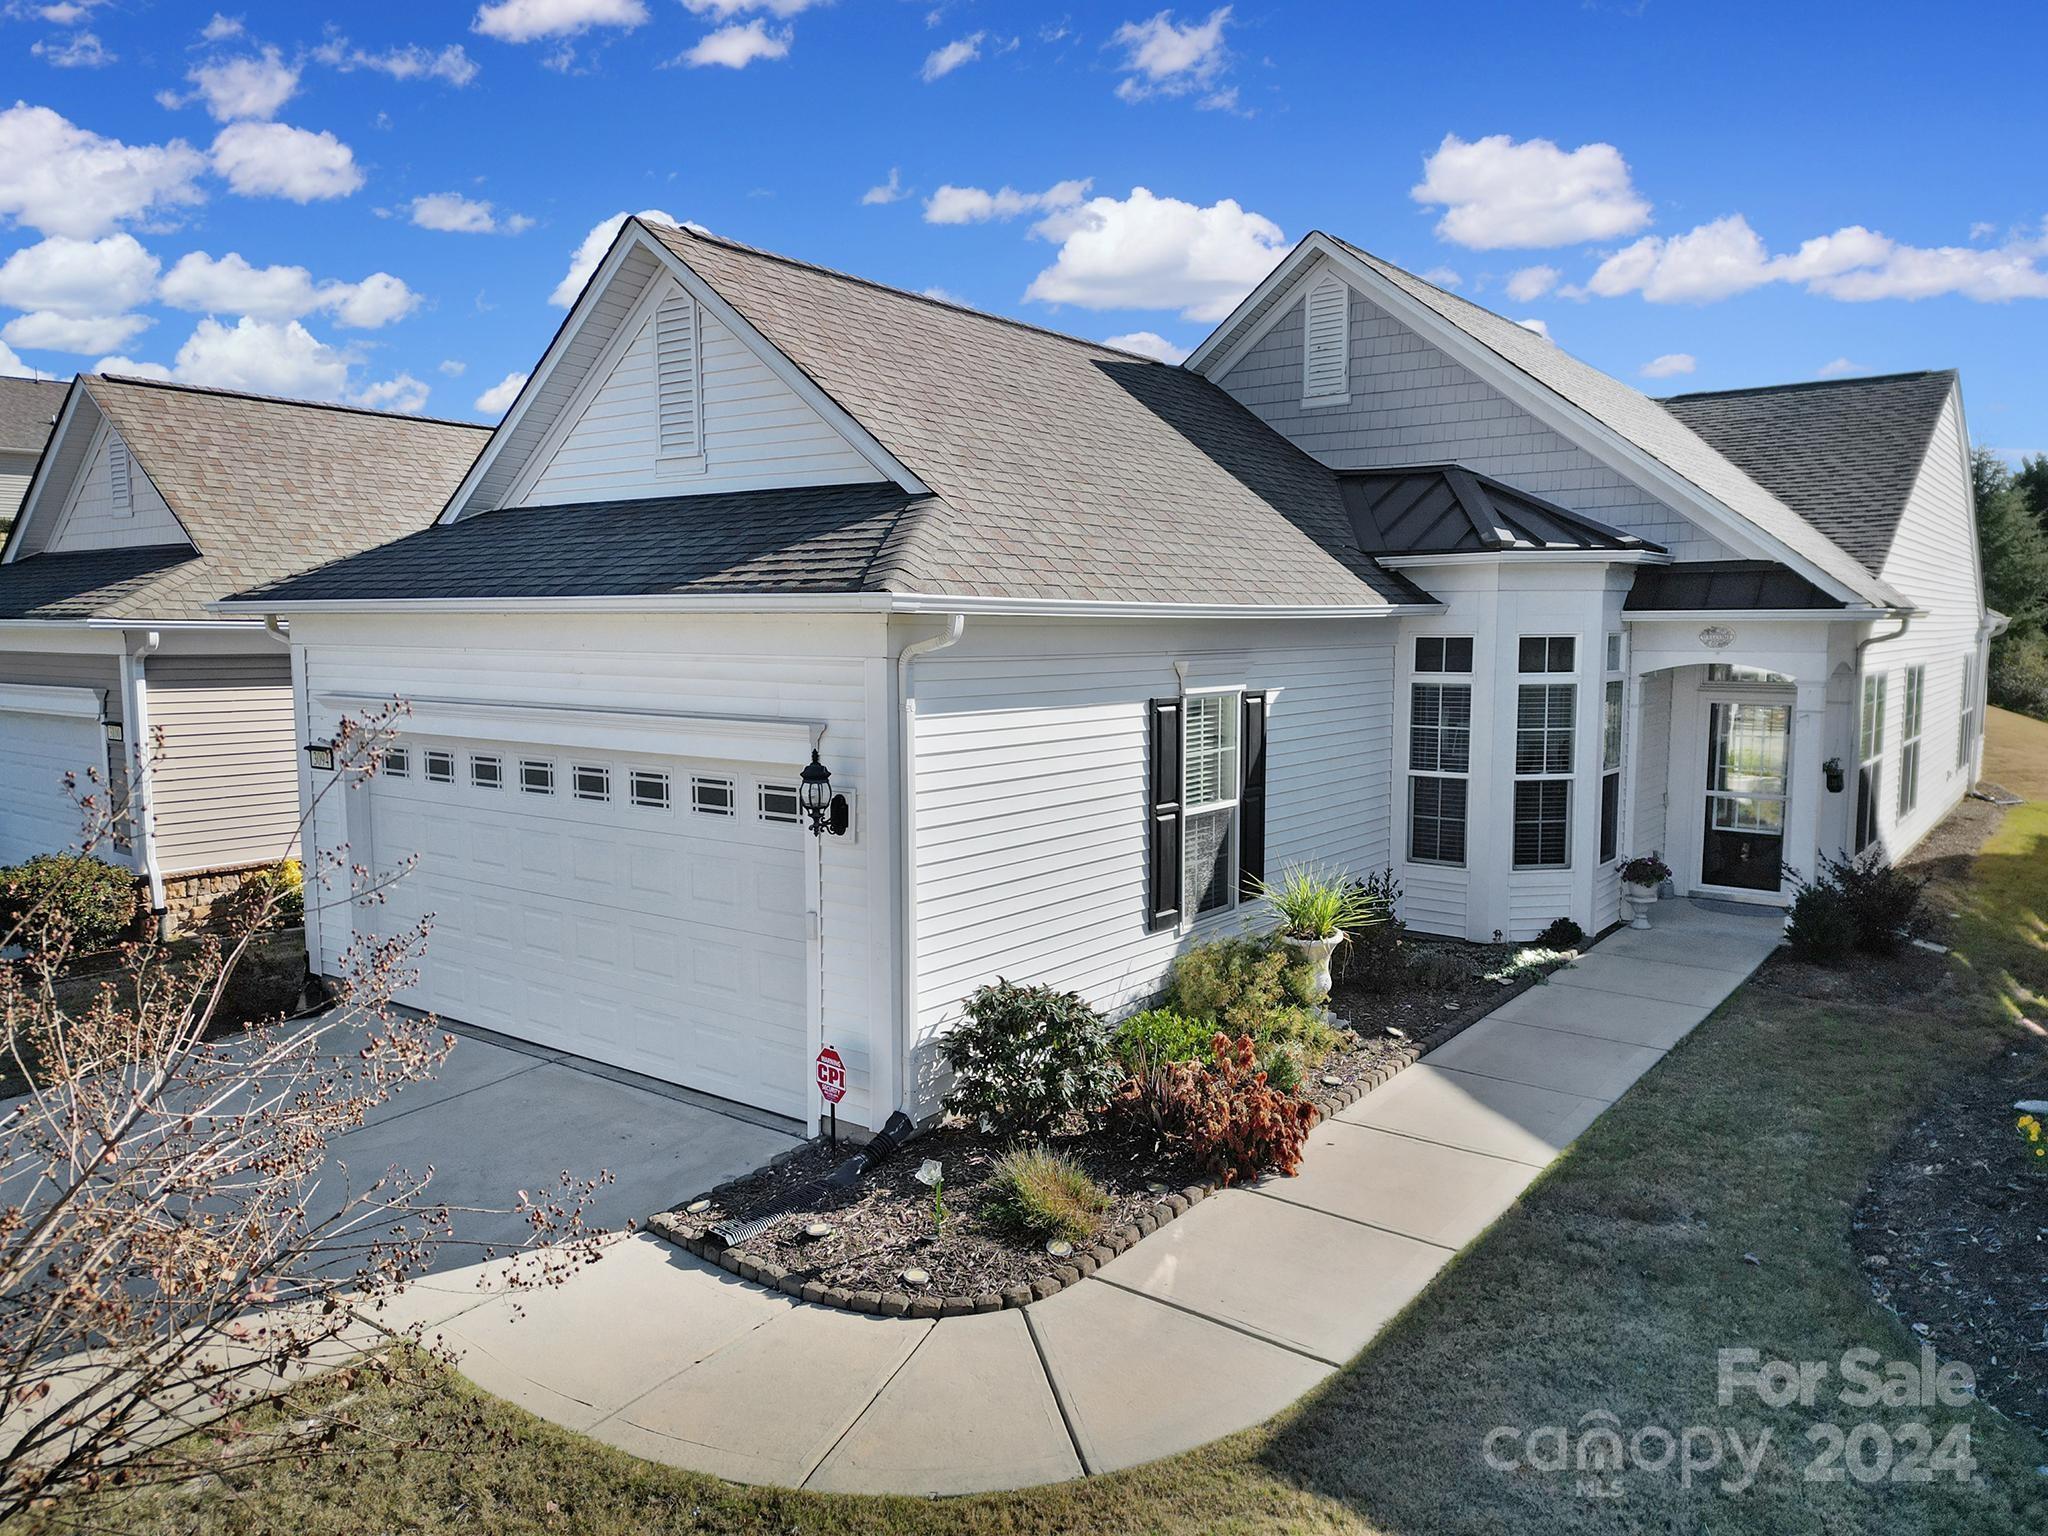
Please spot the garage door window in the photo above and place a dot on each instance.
(779, 803)
(397, 762)
(487, 772)
(593, 783)
(440, 767)
(712, 797)
(650, 790)
(537, 778)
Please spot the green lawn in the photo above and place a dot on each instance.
(1708, 1210)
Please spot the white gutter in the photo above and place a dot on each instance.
(845, 602)
(122, 626)
(1758, 615)
(1529, 557)
(906, 817)
(141, 645)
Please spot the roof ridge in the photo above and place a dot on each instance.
(180, 386)
(1810, 384)
(903, 293)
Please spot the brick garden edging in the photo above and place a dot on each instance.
(1085, 1261)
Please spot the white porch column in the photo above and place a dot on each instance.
(1809, 750)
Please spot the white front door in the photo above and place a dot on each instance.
(1749, 745)
(648, 912)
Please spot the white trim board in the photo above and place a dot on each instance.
(730, 738)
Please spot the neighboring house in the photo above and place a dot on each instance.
(152, 501)
(1376, 579)
(28, 407)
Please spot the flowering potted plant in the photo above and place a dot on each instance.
(1641, 876)
(1317, 910)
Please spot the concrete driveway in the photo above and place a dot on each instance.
(502, 1116)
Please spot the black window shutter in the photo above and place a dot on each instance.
(1163, 815)
(1251, 832)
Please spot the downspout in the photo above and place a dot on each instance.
(906, 803)
(274, 627)
(137, 648)
(1905, 623)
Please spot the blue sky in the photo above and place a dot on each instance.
(380, 207)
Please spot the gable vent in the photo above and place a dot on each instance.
(678, 377)
(120, 477)
(1326, 343)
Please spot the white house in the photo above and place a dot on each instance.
(1089, 642)
(150, 502)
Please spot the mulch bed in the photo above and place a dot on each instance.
(1953, 1233)
(886, 1224)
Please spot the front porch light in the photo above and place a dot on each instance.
(823, 810)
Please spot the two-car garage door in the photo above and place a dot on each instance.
(644, 911)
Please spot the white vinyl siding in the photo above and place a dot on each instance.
(96, 517)
(226, 788)
(1326, 344)
(751, 431)
(1410, 403)
(16, 470)
(679, 395)
(1031, 788)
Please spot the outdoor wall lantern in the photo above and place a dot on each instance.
(321, 755)
(1833, 769)
(825, 811)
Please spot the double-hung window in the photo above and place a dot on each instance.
(1545, 747)
(1611, 697)
(1870, 762)
(1966, 725)
(1439, 749)
(1210, 789)
(1910, 719)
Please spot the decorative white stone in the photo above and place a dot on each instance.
(1059, 1248)
(697, 1207)
(916, 1279)
(818, 1229)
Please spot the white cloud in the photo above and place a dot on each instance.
(1147, 252)
(402, 393)
(252, 86)
(1162, 59)
(1532, 283)
(1498, 194)
(51, 332)
(1841, 367)
(1669, 365)
(941, 62)
(66, 180)
(453, 212)
(129, 367)
(738, 45)
(232, 286)
(79, 277)
(1540, 327)
(1148, 344)
(497, 400)
(1443, 277)
(12, 367)
(521, 21)
(721, 9)
(973, 205)
(265, 356)
(1854, 264)
(945, 296)
(81, 50)
(275, 160)
(890, 191)
(221, 28)
(452, 367)
(587, 255)
(411, 62)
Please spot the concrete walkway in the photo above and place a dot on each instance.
(1216, 1322)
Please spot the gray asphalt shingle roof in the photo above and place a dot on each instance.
(1842, 453)
(28, 407)
(264, 487)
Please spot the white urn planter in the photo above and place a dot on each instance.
(1318, 953)
(1643, 896)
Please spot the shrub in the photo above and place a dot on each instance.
(283, 883)
(1438, 970)
(2018, 679)
(1234, 1119)
(1373, 957)
(1159, 1035)
(1304, 1031)
(1534, 961)
(1238, 984)
(68, 898)
(1282, 1064)
(1025, 1056)
(1562, 933)
(1821, 927)
(1313, 904)
(1879, 902)
(1040, 1195)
